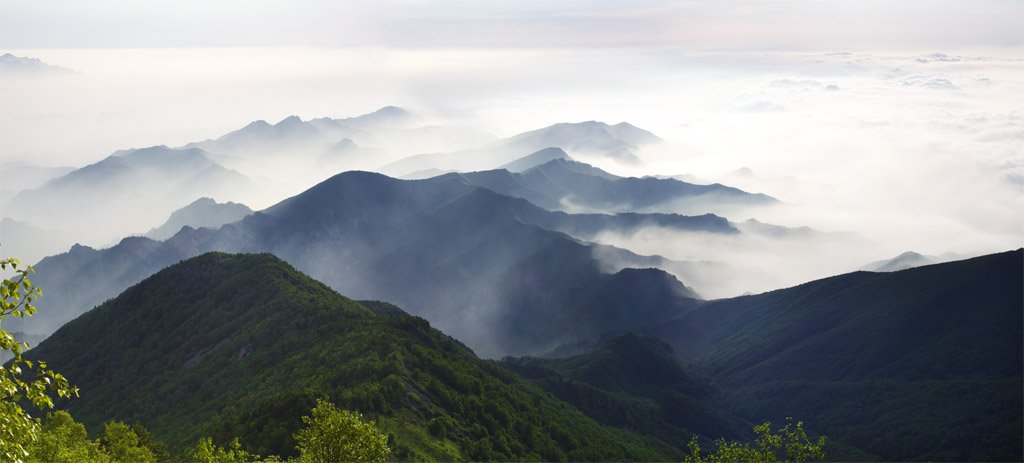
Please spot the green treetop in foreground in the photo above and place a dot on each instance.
(18, 429)
(790, 444)
(339, 435)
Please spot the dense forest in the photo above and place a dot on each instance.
(229, 352)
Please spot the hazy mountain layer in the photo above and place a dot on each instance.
(533, 160)
(590, 139)
(124, 192)
(903, 261)
(476, 263)
(566, 185)
(242, 346)
(203, 212)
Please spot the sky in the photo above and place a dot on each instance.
(900, 120)
(729, 24)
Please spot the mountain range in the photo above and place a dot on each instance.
(262, 163)
(524, 285)
(562, 184)
(240, 345)
(103, 201)
(591, 140)
(228, 321)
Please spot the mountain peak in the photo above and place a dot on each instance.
(290, 120)
(392, 111)
(535, 159)
(257, 124)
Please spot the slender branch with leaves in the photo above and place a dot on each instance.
(22, 379)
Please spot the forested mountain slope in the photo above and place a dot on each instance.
(243, 345)
(920, 364)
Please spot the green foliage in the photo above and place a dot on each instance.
(206, 452)
(159, 449)
(122, 444)
(336, 435)
(790, 444)
(22, 379)
(62, 440)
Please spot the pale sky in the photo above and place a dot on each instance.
(758, 24)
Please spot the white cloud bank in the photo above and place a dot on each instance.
(900, 120)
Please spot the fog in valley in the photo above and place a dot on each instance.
(909, 151)
(904, 139)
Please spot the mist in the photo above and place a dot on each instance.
(916, 150)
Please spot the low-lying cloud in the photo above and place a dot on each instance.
(933, 167)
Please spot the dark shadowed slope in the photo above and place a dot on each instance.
(633, 382)
(922, 364)
(242, 345)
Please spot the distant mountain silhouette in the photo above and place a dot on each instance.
(903, 261)
(23, 66)
(479, 264)
(532, 160)
(755, 227)
(18, 176)
(262, 139)
(562, 184)
(131, 188)
(203, 212)
(28, 243)
(389, 117)
(595, 139)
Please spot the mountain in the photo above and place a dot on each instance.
(17, 176)
(28, 243)
(589, 139)
(903, 261)
(242, 346)
(426, 173)
(755, 227)
(532, 160)
(921, 364)
(203, 212)
(294, 152)
(390, 117)
(23, 66)
(261, 139)
(347, 155)
(633, 382)
(130, 189)
(480, 265)
(567, 185)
